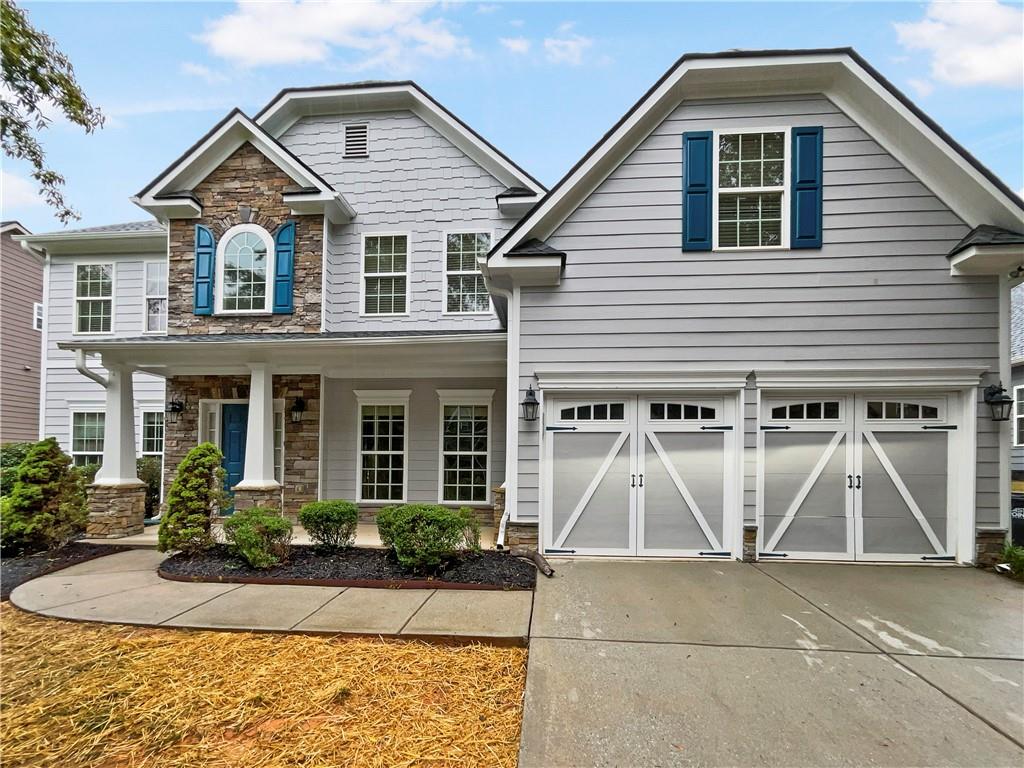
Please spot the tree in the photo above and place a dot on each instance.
(195, 496)
(36, 73)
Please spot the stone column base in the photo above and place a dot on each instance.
(116, 511)
(989, 543)
(265, 498)
(749, 543)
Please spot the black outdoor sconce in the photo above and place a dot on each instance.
(173, 410)
(297, 409)
(530, 405)
(1000, 402)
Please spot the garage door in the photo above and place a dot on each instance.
(856, 477)
(640, 475)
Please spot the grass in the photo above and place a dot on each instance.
(106, 696)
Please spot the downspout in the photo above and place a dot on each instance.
(83, 368)
(511, 408)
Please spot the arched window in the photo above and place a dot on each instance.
(245, 269)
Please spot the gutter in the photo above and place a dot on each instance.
(83, 368)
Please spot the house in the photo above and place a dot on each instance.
(21, 315)
(758, 319)
(1017, 363)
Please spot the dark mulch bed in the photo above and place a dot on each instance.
(15, 571)
(354, 567)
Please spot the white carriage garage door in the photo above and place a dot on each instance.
(857, 477)
(647, 475)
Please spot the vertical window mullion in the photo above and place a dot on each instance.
(464, 288)
(464, 462)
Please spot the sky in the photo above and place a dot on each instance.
(541, 81)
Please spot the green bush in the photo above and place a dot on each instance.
(425, 536)
(11, 455)
(1014, 557)
(194, 497)
(87, 472)
(46, 506)
(150, 471)
(331, 524)
(260, 536)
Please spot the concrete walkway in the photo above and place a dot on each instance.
(125, 589)
(783, 664)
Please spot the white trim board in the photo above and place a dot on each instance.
(870, 378)
(640, 381)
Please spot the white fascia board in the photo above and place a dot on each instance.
(871, 378)
(169, 208)
(82, 243)
(640, 381)
(517, 205)
(332, 204)
(987, 260)
(527, 270)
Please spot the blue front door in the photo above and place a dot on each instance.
(232, 441)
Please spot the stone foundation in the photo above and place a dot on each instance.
(749, 543)
(989, 543)
(521, 535)
(265, 498)
(116, 511)
(499, 506)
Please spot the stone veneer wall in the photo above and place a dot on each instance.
(301, 440)
(245, 188)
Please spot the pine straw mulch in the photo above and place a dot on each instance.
(109, 696)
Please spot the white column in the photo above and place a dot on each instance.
(119, 466)
(259, 432)
(1006, 378)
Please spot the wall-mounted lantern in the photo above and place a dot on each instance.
(174, 409)
(298, 408)
(1000, 402)
(530, 405)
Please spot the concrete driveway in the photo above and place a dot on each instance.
(784, 664)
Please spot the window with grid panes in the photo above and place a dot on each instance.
(751, 184)
(152, 433)
(94, 303)
(87, 430)
(156, 296)
(246, 272)
(465, 290)
(382, 452)
(385, 279)
(464, 448)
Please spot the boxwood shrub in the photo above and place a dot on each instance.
(330, 524)
(260, 536)
(195, 495)
(425, 536)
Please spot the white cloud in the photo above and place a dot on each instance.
(202, 72)
(487, 8)
(924, 88)
(170, 104)
(385, 34)
(976, 43)
(516, 23)
(516, 44)
(17, 193)
(566, 50)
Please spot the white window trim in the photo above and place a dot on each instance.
(146, 296)
(475, 397)
(142, 432)
(85, 408)
(77, 298)
(213, 407)
(786, 170)
(38, 318)
(363, 274)
(446, 273)
(344, 140)
(1018, 435)
(381, 397)
(219, 284)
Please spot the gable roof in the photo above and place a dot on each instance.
(987, 235)
(13, 228)
(170, 193)
(958, 178)
(290, 104)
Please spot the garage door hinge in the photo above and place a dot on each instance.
(560, 429)
(725, 428)
(559, 551)
(714, 554)
(771, 554)
(936, 426)
(950, 558)
(765, 427)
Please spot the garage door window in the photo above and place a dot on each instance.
(889, 410)
(594, 412)
(823, 410)
(681, 412)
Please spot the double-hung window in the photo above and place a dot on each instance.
(245, 264)
(465, 291)
(465, 446)
(87, 430)
(1018, 417)
(37, 316)
(94, 298)
(152, 433)
(156, 296)
(385, 274)
(751, 184)
(382, 445)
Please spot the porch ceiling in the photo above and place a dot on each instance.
(385, 354)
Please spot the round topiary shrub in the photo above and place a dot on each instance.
(194, 497)
(260, 536)
(425, 536)
(331, 524)
(46, 506)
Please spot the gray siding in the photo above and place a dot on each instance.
(878, 294)
(66, 388)
(414, 181)
(341, 433)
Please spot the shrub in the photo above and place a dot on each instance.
(87, 473)
(11, 455)
(1014, 557)
(150, 472)
(195, 495)
(46, 506)
(260, 536)
(425, 536)
(331, 524)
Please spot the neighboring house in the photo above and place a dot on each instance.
(758, 316)
(21, 317)
(1017, 361)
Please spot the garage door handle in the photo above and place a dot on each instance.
(849, 481)
(560, 429)
(641, 479)
(632, 481)
(858, 481)
(934, 426)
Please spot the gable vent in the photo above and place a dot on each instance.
(356, 141)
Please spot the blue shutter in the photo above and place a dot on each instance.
(698, 167)
(205, 269)
(284, 268)
(805, 214)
